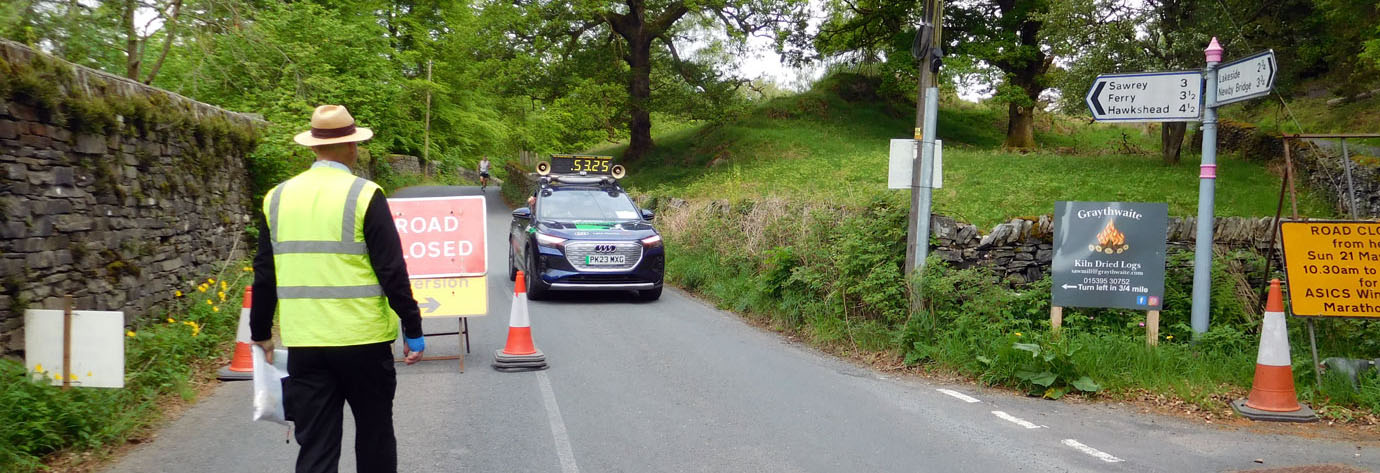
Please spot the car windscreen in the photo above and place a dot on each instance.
(586, 205)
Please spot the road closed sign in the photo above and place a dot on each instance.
(1109, 254)
(442, 236)
(1333, 268)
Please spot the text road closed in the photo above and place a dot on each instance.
(441, 236)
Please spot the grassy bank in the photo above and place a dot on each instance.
(167, 359)
(787, 220)
(822, 146)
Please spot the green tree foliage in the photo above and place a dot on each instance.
(1103, 36)
(1007, 35)
(1313, 39)
(999, 41)
(595, 43)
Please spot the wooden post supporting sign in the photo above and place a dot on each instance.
(67, 341)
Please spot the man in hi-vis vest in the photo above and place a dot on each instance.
(331, 264)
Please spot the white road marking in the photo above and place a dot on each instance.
(962, 397)
(553, 413)
(1101, 455)
(1015, 420)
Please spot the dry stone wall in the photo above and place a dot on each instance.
(1022, 249)
(118, 213)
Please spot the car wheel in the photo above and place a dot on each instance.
(536, 289)
(649, 295)
(512, 267)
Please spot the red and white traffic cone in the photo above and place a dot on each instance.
(519, 354)
(1272, 394)
(241, 365)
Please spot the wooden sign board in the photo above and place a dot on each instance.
(97, 348)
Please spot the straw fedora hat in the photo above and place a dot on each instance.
(331, 124)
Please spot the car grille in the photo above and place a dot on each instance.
(575, 253)
(603, 278)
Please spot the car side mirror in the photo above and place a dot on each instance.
(522, 212)
(648, 214)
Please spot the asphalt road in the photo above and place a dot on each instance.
(679, 386)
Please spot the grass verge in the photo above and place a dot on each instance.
(832, 275)
(166, 358)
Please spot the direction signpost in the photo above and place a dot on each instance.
(1246, 78)
(1188, 96)
(1147, 97)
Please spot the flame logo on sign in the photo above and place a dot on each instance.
(1110, 240)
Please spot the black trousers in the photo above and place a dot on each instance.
(320, 381)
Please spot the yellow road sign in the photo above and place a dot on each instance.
(1333, 268)
(452, 297)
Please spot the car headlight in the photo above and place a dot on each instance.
(651, 241)
(548, 240)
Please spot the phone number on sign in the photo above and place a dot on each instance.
(1106, 281)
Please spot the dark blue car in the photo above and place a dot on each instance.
(583, 234)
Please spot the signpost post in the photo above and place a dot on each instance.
(444, 240)
(1180, 96)
(1109, 254)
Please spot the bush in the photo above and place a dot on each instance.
(516, 187)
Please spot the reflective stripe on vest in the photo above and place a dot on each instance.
(328, 294)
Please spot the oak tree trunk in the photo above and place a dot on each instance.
(1172, 141)
(132, 55)
(1020, 127)
(639, 59)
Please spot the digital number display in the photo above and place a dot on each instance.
(575, 164)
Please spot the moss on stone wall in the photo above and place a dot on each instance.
(98, 106)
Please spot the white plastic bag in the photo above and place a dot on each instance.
(268, 385)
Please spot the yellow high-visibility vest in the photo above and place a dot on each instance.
(328, 294)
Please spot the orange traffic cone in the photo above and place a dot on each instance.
(241, 365)
(1272, 394)
(519, 354)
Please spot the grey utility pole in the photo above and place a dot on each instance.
(928, 54)
(1207, 180)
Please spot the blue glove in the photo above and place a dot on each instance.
(416, 344)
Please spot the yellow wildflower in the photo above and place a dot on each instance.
(210, 280)
(201, 288)
(223, 286)
(1169, 337)
(38, 368)
(215, 309)
(129, 333)
(248, 269)
(222, 297)
(1018, 334)
(171, 321)
(208, 302)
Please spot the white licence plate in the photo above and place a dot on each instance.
(594, 260)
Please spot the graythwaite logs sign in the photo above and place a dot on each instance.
(1109, 254)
